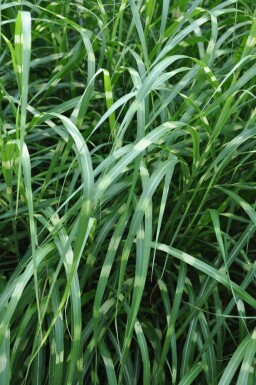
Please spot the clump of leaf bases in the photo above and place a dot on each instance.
(128, 133)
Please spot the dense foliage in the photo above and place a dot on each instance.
(128, 133)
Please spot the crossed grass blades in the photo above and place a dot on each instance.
(127, 207)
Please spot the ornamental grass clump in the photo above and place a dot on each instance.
(127, 207)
